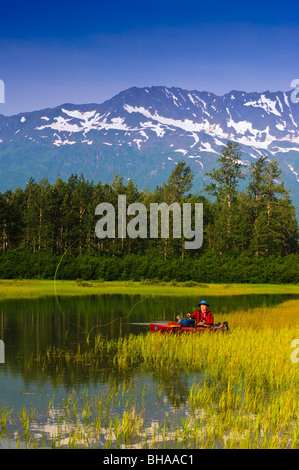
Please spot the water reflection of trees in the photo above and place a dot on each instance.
(174, 385)
(68, 371)
(29, 327)
(32, 325)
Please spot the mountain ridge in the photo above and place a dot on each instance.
(141, 133)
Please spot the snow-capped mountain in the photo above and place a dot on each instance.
(142, 132)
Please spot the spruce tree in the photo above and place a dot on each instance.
(274, 225)
(179, 182)
(225, 180)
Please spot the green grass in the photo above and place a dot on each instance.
(247, 396)
(38, 288)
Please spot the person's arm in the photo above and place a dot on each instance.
(209, 319)
(193, 315)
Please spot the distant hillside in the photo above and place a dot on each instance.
(142, 132)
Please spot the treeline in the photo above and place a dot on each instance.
(257, 227)
(151, 269)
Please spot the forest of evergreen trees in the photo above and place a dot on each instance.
(249, 235)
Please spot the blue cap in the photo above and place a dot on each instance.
(203, 302)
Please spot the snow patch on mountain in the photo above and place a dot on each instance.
(143, 130)
(267, 104)
(294, 172)
(186, 124)
(59, 141)
(182, 151)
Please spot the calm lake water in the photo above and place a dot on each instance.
(29, 327)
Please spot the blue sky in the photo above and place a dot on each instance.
(56, 53)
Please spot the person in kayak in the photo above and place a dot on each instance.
(202, 317)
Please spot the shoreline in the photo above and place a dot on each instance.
(24, 288)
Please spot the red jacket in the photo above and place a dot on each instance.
(199, 316)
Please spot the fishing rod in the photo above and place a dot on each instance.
(88, 333)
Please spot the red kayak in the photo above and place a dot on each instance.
(177, 328)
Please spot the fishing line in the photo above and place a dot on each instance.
(75, 324)
(55, 289)
(115, 319)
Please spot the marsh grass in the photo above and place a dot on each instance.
(26, 288)
(247, 396)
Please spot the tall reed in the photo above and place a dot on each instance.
(245, 394)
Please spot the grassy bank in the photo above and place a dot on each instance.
(246, 395)
(36, 288)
